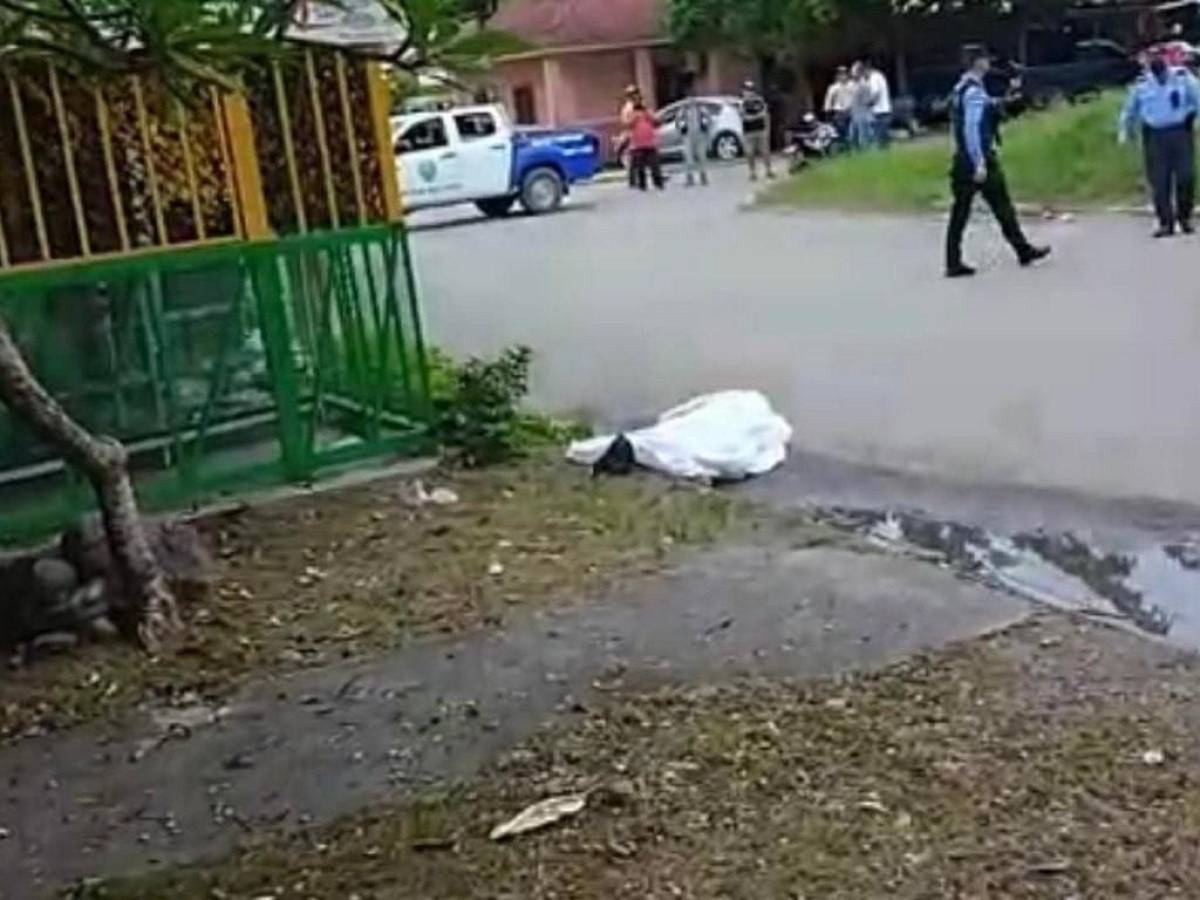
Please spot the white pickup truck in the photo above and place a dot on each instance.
(473, 154)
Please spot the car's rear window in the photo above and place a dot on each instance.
(475, 125)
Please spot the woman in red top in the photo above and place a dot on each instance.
(643, 143)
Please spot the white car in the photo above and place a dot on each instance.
(725, 113)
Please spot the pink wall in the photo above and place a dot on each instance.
(586, 88)
(509, 76)
(594, 84)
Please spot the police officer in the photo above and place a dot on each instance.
(976, 167)
(1164, 103)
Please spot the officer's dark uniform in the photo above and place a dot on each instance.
(1164, 103)
(976, 123)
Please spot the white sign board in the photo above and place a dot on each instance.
(349, 23)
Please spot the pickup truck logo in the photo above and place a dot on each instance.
(427, 170)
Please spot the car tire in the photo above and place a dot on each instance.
(542, 191)
(727, 146)
(495, 207)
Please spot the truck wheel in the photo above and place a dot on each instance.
(542, 191)
(495, 207)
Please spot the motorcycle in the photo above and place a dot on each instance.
(810, 140)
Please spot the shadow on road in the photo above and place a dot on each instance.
(467, 219)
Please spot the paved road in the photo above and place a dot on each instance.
(1081, 374)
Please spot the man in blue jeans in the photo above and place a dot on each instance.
(976, 169)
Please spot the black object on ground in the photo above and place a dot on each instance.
(618, 459)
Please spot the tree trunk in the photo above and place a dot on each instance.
(154, 615)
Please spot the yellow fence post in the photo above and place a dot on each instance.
(381, 110)
(68, 150)
(35, 195)
(351, 139)
(251, 201)
(143, 116)
(110, 167)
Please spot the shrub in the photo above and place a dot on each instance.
(477, 409)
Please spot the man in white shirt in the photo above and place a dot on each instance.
(838, 101)
(882, 92)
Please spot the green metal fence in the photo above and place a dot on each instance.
(221, 368)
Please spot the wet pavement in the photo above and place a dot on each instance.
(189, 784)
(1136, 562)
(1078, 374)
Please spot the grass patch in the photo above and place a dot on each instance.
(1009, 768)
(1067, 156)
(358, 572)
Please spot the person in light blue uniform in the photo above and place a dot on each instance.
(976, 169)
(1162, 105)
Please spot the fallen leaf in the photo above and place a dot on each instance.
(1051, 867)
(443, 497)
(541, 815)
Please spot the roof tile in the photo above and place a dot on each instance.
(566, 23)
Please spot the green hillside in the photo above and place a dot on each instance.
(1066, 156)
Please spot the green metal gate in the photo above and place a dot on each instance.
(221, 367)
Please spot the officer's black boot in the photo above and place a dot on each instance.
(1030, 254)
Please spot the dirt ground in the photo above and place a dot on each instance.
(353, 573)
(1056, 759)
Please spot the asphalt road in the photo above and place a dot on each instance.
(1081, 373)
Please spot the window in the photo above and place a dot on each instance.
(476, 125)
(523, 105)
(428, 134)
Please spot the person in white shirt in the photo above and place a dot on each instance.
(882, 91)
(838, 101)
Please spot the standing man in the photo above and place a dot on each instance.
(629, 105)
(1164, 103)
(756, 127)
(976, 169)
(838, 100)
(862, 109)
(881, 91)
(695, 126)
(643, 143)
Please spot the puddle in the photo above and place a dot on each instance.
(1157, 589)
(1175, 588)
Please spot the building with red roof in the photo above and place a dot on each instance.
(583, 55)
